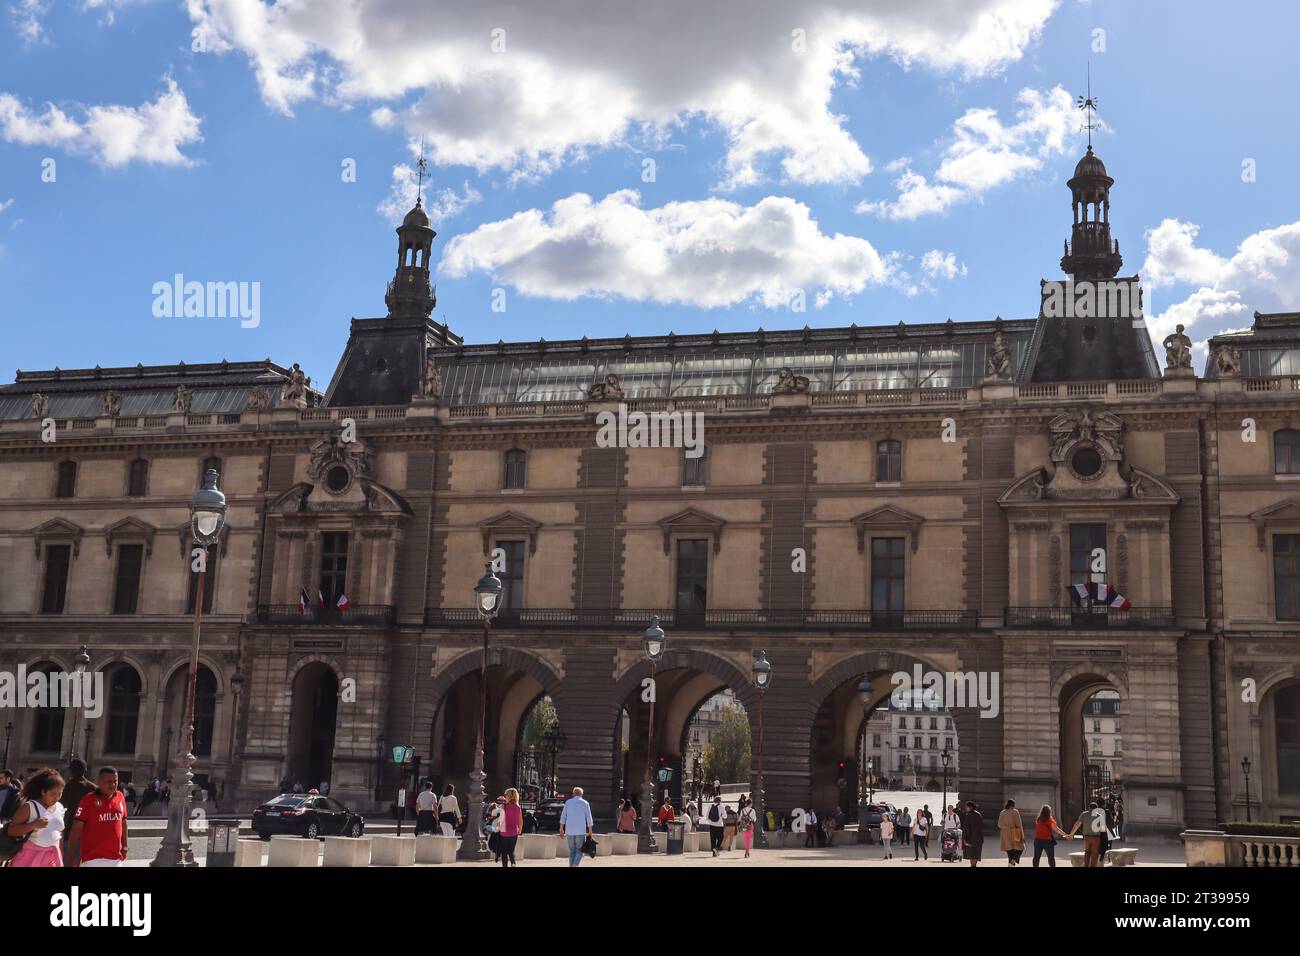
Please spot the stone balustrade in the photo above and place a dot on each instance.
(1217, 848)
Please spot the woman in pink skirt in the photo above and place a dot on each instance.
(42, 817)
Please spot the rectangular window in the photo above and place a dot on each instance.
(692, 578)
(54, 595)
(209, 581)
(886, 576)
(916, 743)
(512, 578)
(126, 586)
(934, 743)
(333, 566)
(67, 483)
(902, 740)
(137, 482)
(516, 468)
(889, 461)
(695, 470)
(1084, 539)
(1286, 576)
(875, 740)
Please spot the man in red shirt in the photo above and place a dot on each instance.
(98, 835)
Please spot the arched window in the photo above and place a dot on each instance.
(47, 721)
(1286, 730)
(137, 481)
(516, 468)
(66, 486)
(205, 711)
(123, 710)
(889, 460)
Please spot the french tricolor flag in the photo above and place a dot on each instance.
(1108, 595)
(320, 596)
(302, 601)
(342, 603)
(1080, 592)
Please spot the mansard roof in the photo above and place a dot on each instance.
(1271, 346)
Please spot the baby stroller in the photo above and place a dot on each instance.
(950, 846)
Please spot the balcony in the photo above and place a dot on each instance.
(326, 616)
(629, 618)
(1097, 618)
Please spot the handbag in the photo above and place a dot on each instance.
(589, 846)
(10, 845)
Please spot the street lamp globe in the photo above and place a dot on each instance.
(487, 594)
(654, 640)
(1245, 765)
(207, 509)
(762, 671)
(865, 691)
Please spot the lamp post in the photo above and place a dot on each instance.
(1245, 770)
(946, 759)
(654, 642)
(553, 741)
(697, 777)
(236, 688)
(762, 677)
(487, 601)
(9, 732)
(82, 662)
(90, 727)
(379, 768)
(207, 515)
(866, 695)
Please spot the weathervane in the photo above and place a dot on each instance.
(1089, 104)
(422, 165)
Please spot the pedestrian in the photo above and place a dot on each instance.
(1011, 830)
(1045, 833)
(98, 836)
(426, 819)
(887, 836)
(666, 813)
(512, 824)
(626, 818)
(691, 816)
(921, 837)
(575, 825)
(493, 827)
(748, 822)
(40, 818)
(952, 821)
(75, 788)
(10, 796)
(730, 824)
(973, 833)
(1093, 823)
(905, 826)
(811, 829)
(448, 811)
(717, 818)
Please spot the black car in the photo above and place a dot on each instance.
(306, 815)
(547, 815)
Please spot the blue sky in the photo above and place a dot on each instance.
(225, 165)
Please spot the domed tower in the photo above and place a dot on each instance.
(1090, 252)
(409, 292)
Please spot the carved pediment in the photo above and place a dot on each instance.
(1028, 487)
(1285, 513)
(509, 524)
(1148, 487)
(361, 496)
(692, 521)
(331, 451)
(129, 529)
(887, 519)
(292, 500)
(58, 531)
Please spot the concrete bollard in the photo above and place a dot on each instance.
(624, 844)
(605, 846)
(248, 853)
(561, 847)
(537, 846)
(430, 848)
(347, 851)
(393, 851)
(293, 851)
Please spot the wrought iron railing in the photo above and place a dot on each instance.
(355, 614)
(1095, 617)
(856, 620)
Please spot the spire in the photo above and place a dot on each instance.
(1090, 253)
(409, 292)
(1089, 105)
(422, 164)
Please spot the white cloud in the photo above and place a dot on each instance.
(941, 265)
(6, 204)
(441, 204)
(983, 153)
(113, 135)
(707, 253)
(27, 17)
(1263, 275)
(581, 74)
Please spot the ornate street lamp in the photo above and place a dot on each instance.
(866, 694)
(90, 729)
(762, 677)
(236, 688)
(1245, 770)
(379, 767)
(487, 601)
(207, 516)
(553, 741)
(654, 642)
(79, 667)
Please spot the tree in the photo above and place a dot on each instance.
(726, 758)
(542, 719)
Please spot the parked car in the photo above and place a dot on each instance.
(547, 815)
(306, 815)
(871, 816)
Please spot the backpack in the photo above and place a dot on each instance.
(10, 845)
(714, 814)
(732, 819)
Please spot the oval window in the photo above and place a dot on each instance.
(1086, 463)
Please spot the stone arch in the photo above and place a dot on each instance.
(472, 660)
(1070, 690)
(312, 737)
(205, 660)
(1270, 801)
